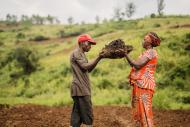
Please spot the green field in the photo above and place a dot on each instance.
(48, 81)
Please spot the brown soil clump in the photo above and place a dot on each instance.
(113, 49)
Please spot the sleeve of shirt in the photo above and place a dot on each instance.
(150, 54)
(80, 59)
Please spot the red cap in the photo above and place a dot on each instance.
(86, 37)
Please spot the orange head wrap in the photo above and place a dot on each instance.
(155, 39)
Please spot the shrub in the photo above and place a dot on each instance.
(64, 34)
(104, 83)
(123, 84)
(39, 38)
(186, 39)
(20, 92)
(20, 35)
(179, 83)
(30, 93)
(24, 58)
(152, 15)
(178, 71)
(186, 100)
(173, 45)
(164, 65)
(167, 22)
(176, 76)
(27, 60)
(187, 36)
(66, 70)
(161, 99)
(1, 30)
(72, 34)
(1, 43)
(176, 45)
(98, 71)
(162, 38)
(157, 25)
(187, 47)
(61, 33)
(100, 33)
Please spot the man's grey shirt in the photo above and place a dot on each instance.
(80, 84)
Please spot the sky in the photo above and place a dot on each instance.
(87, 10)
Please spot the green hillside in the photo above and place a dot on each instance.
(49, 77)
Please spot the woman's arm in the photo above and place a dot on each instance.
(137, 64)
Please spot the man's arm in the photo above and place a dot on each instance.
(90, 65)
(87, 65)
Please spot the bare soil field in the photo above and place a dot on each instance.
(29, 115)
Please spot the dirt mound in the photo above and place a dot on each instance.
(104, 116)
(112, 49)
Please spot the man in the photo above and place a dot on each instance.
(81, 88)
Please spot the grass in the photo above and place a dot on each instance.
(50, 83)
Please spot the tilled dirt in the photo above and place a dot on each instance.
(104, 116)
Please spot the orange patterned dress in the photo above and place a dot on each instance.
(143, 83)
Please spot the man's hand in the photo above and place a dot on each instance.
(102, 54)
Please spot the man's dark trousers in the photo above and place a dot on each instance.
(82, 111)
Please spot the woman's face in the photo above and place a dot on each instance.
(147, 41)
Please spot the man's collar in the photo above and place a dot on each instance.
(80, 50)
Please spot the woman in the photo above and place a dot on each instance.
(142, 79)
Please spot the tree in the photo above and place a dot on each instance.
(123, 15)
(34, 19)
(50, 19)
(152, 15)
(27, 59)
(8, 18)
(41, 20)
(105, 20)
(161, 6)
(97, 18)
(70, 20)
(57, 21)
(14, 18)
(83, 22)
(22, 58)
(130, 9)
(117, 14)
(24, 18)
(11, 18)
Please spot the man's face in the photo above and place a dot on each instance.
(86, 46)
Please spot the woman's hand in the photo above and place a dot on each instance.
(120, 51)
(126, 54)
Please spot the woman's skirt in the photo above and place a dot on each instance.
(142, 107)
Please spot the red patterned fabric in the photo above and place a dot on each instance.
(143, 83)
(144, 77)
(142, 107)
